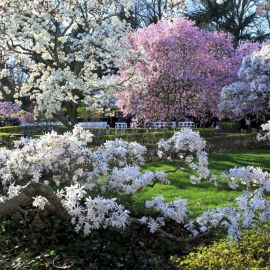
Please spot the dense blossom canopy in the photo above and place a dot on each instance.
(185, 70)
(254, 97)
(70, 49)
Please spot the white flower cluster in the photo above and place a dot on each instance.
(92, 213)
(251, 210)
(131, 180)
(253, 94)
(174, 210)
(266, 136)
(40, 202)
(188, 147)
(249, 177)
(236, 99)
(152, 223)
(56, 156)
(121, 153)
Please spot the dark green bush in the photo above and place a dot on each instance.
(31, 130)
(96, 131)
(233, 142)
(252, 251)
(229, 126)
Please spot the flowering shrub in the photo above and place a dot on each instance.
(188, 147)
(60, 173)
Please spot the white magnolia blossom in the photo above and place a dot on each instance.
(93, 213)
(174, 210)
(266, 135)
(131, 180)
(251, 210)
(188, 147)
(249, 176)
(253, 94)
(152, 223)
(254, 70)
(123, 152)
(40, 202)
(237, 99)
(71, 50)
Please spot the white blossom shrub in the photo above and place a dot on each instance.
(188, 147)
(62, 172)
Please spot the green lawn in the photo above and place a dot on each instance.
(203, 196)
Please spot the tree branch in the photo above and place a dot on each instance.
(25, 197)
(180, 240)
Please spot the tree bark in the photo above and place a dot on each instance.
(25, 197)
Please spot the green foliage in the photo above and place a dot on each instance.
(234, 142)
(32, 130)
(229, 126)
(252, 251)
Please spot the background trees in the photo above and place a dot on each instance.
(237, 17)
(185, 70)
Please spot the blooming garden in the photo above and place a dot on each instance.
(135, 198)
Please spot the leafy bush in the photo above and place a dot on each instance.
(250, 252)
(233, 142)
(59, 247)
(32, 130)
(97, 131)
(229, 126)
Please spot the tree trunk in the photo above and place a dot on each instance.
(25, 197)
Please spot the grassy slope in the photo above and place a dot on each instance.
(204, 196)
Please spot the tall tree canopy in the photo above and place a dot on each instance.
(185, 70)
(237, 17)
(71, 50)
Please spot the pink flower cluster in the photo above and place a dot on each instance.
(12, 110)
(185, 70)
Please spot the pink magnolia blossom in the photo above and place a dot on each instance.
(185, 70)
(12, 110)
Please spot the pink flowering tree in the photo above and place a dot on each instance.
(185, 69)
(13, 110)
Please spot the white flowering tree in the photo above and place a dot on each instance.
(71, 50)
(61, 175)
(252, 93)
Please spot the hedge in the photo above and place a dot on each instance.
(216, 141)
(38, 130)
(229, 126)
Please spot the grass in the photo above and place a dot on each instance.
(205, 195)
